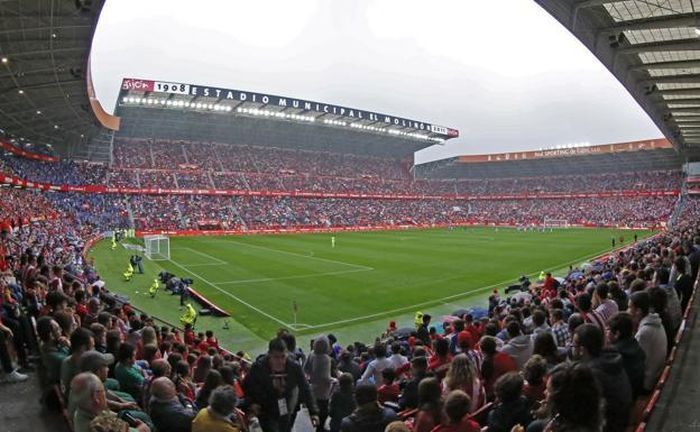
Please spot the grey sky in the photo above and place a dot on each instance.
(503, 72)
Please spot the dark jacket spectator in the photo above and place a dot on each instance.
(409, 397)
(368, 416)
(633, 357)
(274, 386)
(168, 411)
(342, 401)
(607, 366)
(512, 407)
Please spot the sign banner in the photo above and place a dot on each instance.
(16, 181)
(5, 145)
(654, 144)
(222, 94)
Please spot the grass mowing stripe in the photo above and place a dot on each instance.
(299, 255)
(450, 297)
(305, 276)
(442, 264)
(205, 255)
(243, 302)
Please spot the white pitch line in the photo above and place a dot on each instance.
(300, 255)
(204, 265)
(306, 276)
(260, 311)
(218, 261)
(450, 297)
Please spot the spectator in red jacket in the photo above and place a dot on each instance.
(494, 365)
(389, 390)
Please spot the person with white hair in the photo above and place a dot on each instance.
(169, 411)
(88, 393)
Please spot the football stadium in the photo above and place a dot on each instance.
(200, 257)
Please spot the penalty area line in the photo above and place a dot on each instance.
(359, 266)
(238, 299)
(216, 260)
(305, 276)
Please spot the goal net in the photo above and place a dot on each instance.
(157, 247)
(555, 223)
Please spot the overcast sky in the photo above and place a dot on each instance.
(503, 72)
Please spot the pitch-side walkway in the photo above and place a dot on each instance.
(20, 410)
(677, 409)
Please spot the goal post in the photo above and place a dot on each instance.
(555, 223)
(157, 247)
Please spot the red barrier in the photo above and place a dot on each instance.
(300, 230)
(26, 154)
(99, 189)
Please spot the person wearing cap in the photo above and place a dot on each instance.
(99, 363)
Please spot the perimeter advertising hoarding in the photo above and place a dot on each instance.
(150, 86)
(653, 144)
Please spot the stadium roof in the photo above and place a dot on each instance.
(648, 155)
(44, 48)
(180, 111)
(653, 48)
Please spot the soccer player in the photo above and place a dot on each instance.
(332, 241)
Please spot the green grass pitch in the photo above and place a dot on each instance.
(364, 280)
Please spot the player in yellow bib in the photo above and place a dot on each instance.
(190, 316)
(153, 289)
(129, 273)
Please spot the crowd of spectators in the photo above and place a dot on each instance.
(252, 212)
(558, 355)
(187, 165)
(690, 209)
(62, 172)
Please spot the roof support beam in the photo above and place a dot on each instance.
(672, 45)
(688, 110)
(680, 78)
(660, 22)
(683, 101)
(668, 65)
(45, 51)
(694, 91)
(57, 28)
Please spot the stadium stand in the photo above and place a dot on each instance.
(629, 312)
(52, 286)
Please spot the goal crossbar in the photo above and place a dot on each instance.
(157, 247)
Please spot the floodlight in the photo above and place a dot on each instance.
(20, 91)
(5, 60)
(697, 31)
